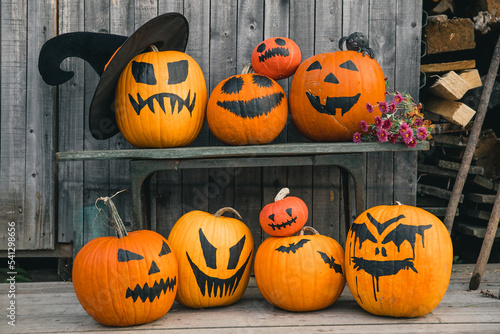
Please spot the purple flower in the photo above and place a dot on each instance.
(387, 124)
(378, 122)
(382, 106)
(369, 107)
(422, 133)
(407, 136)
(356, 137)
(402, 128)
(398, 98)
(393, 138)
(418, 122)
(382, 135)
(364, 126)
(392, 108)
(411, 142)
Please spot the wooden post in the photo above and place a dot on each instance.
(473, 139)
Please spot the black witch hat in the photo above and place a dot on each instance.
(167, 32)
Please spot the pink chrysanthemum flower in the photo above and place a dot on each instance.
(356, 137)
(422, 133)
(411, 142)
(398, 98)
(403, 127)
(369, 107)
(382, 135)
(393, 138)
(378, 122)
(418, 122)
(383, 107)
(387, 124)
(364, 126)
(391, 108)
(407, 136)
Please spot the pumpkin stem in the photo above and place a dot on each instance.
(225, 209)
(154, 48)
(115, 218)
(282, 194)
(398, 203)
(247, 69)
(309, 229)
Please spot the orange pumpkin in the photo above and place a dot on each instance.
(285, 216)
(276, 57)
(126, 280)
(247, 109)
(160, 100)
(301, 272)
(398, 260)
(329, 94)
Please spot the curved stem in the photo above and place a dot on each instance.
(282, 194)
(225, 209)
(308, 229)
(115, 218)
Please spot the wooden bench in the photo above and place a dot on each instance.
(144, 162)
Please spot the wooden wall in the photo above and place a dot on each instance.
(51, 203)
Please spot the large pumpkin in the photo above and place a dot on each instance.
(126, 280)
(160, 100)
(247, 109)
(300, 273)
(215, 256)
(276, 57)
(285, 216)
(398, 260)
(329, 94)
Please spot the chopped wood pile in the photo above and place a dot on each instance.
(459, 38)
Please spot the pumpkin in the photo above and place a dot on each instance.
(398, 260)
(247, 109)
(126, 280)
(285, 216)
(214, 255)
(301, 272)
(329, 95)
(160, 100)
(276, 57)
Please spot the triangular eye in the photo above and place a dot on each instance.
(234, 253)
(349, 65)
(125, 256)
(271, 216)
(289, 211)
(143, 73)
(209, 251)
(164, 249)
(331, 78)
(314, 66)
(177, 72)
(232, 85)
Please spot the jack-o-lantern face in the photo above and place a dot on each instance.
(329, 94)
(247, 109)
(300, 273)
(126, 281)
(276, 57)
(389, 252)
(160, 100)
(214, 255)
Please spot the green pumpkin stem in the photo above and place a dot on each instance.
(308, 229)
(225, 209)
(282, 194)
(115, 218)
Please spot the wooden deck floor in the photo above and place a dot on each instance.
(53, 308)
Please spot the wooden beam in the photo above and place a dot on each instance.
(451, 35)
(450, 66)
(455, 112)
(450, 86)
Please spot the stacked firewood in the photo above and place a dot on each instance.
(452, 92)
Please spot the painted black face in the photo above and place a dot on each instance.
(144, 73)
(279, 50)
(293, 247)
(146, 292)
(344, 103)
(279, 225)
(254, 107)
(399, 234)
(218, 286)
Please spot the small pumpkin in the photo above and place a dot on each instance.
(329, 95)
(160, 100)
(301, 272)
(247, 109)
(126, 280)
(215, 257)
(285, 216)
(276, 57)
(398, 260)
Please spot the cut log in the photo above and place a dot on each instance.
(473, 170)
(452, 35)
(424, 189)
(472, 77)
(450, 86)
(446, 67)
(455, 112)
(480, 198)
(484, 182)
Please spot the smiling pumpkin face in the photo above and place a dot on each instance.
(329, 94)
(247, 109)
